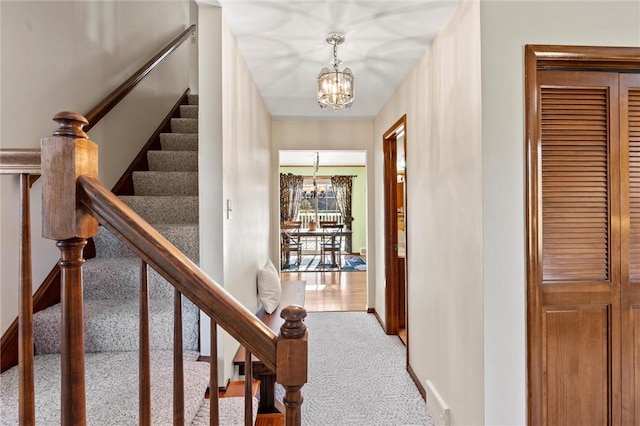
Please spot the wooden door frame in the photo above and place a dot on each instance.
(392, 291)
(545, 57)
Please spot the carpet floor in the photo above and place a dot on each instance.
(311, 263)
(357, 374)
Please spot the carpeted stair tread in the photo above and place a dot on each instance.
(189, 111)
(184, 125)
(119, 278)
(184, 236)
(111, 381)
(113, 326)
(179, 141)
(231, 412)
(165, 183)
(164, 209)
(173, 161)
(192, 99)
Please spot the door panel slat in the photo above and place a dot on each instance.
(575, 183)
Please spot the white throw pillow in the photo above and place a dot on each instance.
(269, 290)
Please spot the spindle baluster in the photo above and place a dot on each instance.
(214, 415)
(178, 368)
(144, 405)
(248, 391)
(25, 315)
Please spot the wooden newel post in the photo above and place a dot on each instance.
(291, 368)
(67, 155)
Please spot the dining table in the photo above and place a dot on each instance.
(319, 232)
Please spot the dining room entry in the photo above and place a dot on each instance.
(319, 192)
(323, 234)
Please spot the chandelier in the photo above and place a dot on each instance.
(335, 88)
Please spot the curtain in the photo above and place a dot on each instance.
(342, 188)
(290, 195)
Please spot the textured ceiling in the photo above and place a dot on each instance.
(283, 42)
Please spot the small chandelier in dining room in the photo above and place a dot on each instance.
(335, 88)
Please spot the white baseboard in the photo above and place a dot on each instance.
(436, 405)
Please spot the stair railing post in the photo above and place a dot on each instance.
(291, 359)
(67, 155)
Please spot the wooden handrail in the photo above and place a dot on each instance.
(109, 102)
(178, 269)
(20, 161)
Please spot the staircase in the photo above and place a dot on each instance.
(166, 196)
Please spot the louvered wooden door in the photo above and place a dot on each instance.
(587, 166)
(630, 248)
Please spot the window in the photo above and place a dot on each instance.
(320, 208)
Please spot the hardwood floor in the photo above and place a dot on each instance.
(332, 291)
(402, 334)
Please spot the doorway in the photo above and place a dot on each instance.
(328, 203)
(394, 144)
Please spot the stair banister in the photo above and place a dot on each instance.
(178, 269)
(286, 353)
(27, 162)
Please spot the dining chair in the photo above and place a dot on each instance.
(290, 243)
(331, 243)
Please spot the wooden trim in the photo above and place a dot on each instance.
(108, 103)
(20, 161)
(124, 186)
(390, 237)
(533, 231)
(406, 243)
(392, 293)
(378, 317)
(402, 121)
(415, 379)
(585, 58)
(179, 270)
(9, 347)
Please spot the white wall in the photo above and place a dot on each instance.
(441, 98)
(506, 27)
(210, 182)
(59, 56)
(247, 165)
(319, 135)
